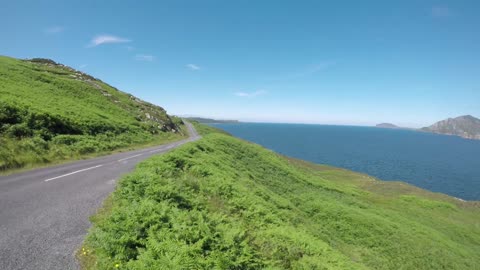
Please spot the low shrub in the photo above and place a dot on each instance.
(19, 131)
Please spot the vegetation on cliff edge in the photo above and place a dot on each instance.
(223, 203)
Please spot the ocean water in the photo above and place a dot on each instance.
(439, 163)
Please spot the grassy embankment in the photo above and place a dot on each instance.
(223, 203)
(52, 113)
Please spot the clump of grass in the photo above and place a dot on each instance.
(222, 203)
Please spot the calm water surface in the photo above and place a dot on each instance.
(438, 163)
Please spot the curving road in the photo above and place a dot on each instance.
(44, 213)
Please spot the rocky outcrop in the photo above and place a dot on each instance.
(465, 126)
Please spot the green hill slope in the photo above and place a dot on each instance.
(51, 112)
(223, 203)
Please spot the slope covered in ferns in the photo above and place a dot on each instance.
(223, 203)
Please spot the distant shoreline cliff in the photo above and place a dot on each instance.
(211, 121)
(465, 126)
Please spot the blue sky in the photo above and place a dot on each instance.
(333, 62)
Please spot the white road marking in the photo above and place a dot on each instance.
(128, 157)
(156, 150)
(82, 170)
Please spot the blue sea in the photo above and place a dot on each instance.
(439, 163)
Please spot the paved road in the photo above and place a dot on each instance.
(44, 213)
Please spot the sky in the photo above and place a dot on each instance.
(410, 63)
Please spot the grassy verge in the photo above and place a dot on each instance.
(24, 155)
(223, 203)
(27, 157)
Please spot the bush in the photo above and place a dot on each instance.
(19, 131)
(86, 146)
(67, 139)
(9, 114)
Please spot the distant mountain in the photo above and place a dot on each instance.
(465, 126)
(211, 121)
(387, 125)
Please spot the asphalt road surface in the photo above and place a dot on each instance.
(44, 212)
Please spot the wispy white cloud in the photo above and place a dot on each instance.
(193, 67)
(83, 66)
(441, 12)
(54, 29)
(129, 48)
(105, 39)
(144, 57)
(305, 72)
(310, 70)
(250, 94)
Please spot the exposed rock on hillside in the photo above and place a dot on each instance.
(465, 126)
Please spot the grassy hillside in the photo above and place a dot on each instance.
(51, 112)
(223, 203)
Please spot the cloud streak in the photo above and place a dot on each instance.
(107, 39)
(144, 57)
(441, 12)
(193, 67)
(308, 71)
(250, 94)
(54, 30)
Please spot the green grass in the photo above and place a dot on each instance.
(51, 113)
(223, 203)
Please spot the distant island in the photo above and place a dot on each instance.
(211, 121)
(387, 125)
(465, 126)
